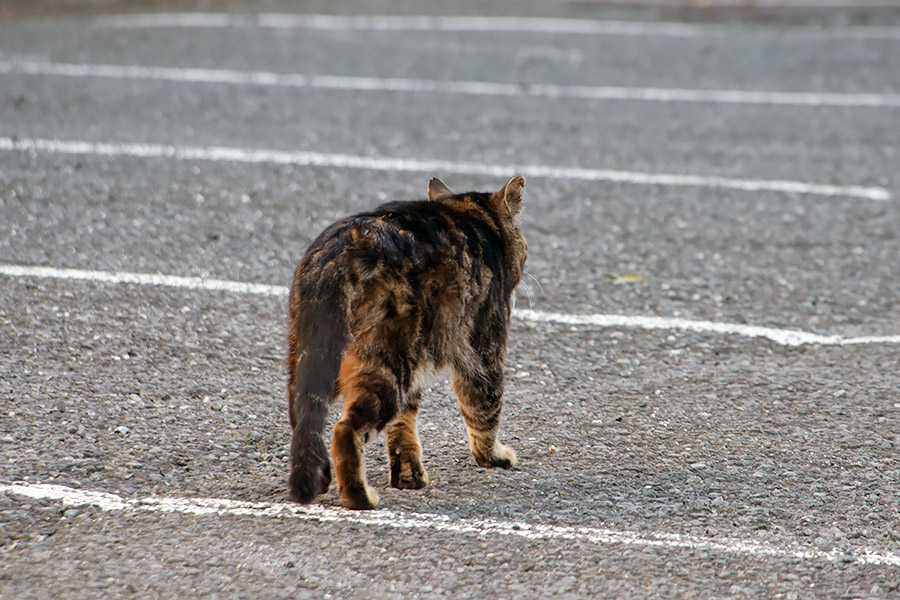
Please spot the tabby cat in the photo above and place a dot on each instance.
(381, 301)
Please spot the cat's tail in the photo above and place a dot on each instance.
(320, 325)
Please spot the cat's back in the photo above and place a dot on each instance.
(409, 237)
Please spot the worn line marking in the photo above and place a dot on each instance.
(785, 337)
(436, 522)
(151, 279)
(352, 161)
(425, 86)
(480, 24)
(389, 23)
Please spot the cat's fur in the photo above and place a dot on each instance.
(381, 300)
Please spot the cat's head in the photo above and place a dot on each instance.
(506, 206)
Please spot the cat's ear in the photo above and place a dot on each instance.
(437, 190)
(512, 195)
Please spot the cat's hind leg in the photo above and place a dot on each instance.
(480, 400)
(370, 402)
(405, 450)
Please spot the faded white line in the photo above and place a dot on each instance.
(352, 161)
(151, 279)
(482, 24)
(390, 23)
(862, 4)
(443, 523)
(785, 337)
(427, 86)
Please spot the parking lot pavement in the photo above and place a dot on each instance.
(702, 382)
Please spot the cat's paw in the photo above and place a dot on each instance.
(504, 456)
(501, 456)
(359, 497)
(408, 475)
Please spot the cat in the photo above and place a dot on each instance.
(381, 301)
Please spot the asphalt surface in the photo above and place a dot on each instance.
(740, 442)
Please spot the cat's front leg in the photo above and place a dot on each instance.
(405, 450)
(480, 400)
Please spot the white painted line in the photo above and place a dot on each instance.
(442, 523)
(427, 86)
(481, 24)
(862, 4)
(151, 279)
(351, 161)
(391, 23)
(785, 337)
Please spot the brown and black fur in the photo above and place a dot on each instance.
(381, 300)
